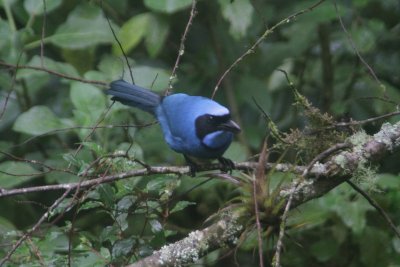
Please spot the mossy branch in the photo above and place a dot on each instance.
(325, 176)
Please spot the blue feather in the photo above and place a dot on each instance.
(133, 95)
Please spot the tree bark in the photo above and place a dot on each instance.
(321, 178)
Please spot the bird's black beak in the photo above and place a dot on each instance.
(230, 126)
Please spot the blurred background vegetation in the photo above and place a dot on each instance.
(121, 222)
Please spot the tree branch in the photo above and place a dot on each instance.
(180, 170)
(61, 75)
(223, 233)
(325, 176)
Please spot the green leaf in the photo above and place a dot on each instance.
(85, 26)
(5, 146)
(277, 80)
(122, 247)
(81, 59)
(388, 181)
(360, 3)
(96, 148)
(374, 253)
(51, 64)
(65, 205)
(90, 205)
(59, 177)
(155, 39)
(72, 159)
(324, 249)
(181, 205)
(145, 250)
(54, 240)
(109, 233)
(106, 193)
(324, 13)
(6, 37)
(153, 78)
(156, 184)
(135, 151)
(167, 6)
(156, 226)
(158, 239)
(7, 2)
(88, 99)
(364, 39)
(89, 258)
(112, 67)
(311, 214)
(353, 214)
(131, 33)
(9, 170)
(236, 152)
(396, 244)
(122, 221)
(5, 227)
(37, 120)
(125, 203)
(239, 14)
(36, 7)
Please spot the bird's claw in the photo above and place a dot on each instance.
(227, 164)
(193, 167)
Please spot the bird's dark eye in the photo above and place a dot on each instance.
(210, 118)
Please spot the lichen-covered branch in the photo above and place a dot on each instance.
(320, 179)
(366, 149)
(223, 233)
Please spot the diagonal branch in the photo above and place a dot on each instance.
(181, 47)
(321, 179)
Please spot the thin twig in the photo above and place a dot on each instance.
(12, 86)
(396, 104)
(319, 157)
(119, 45)
(181, 47)
(279, 243)
(35, 227)
(375, 204)
(61, 75)
(102, 117)
(36, 251)
(323, 155)
(258, 187)
(150, 170)
(83, 127)
(261, 39)
(352, 123)
(355, 123)
(69, 206)
(353, 45)
(35, 162)
(43, 34)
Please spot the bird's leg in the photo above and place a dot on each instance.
(227, 164)
(193, 167)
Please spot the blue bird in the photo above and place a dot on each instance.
(195, 126)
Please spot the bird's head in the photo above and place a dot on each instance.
(209, 123)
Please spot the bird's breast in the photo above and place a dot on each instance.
(218, 139)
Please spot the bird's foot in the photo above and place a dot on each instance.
(193, 166)
(227, 164)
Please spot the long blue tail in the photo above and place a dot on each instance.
(133, 95)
